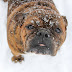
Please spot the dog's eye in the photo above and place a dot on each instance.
(29, 27)
(58, 30)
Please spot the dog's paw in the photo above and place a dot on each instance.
(17, 58)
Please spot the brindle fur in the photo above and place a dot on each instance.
(16, 32)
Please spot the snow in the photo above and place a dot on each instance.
(51, 23)
(38, 23)
(48, 48)
(45, 18)
(39, 11)
(32, 21)
(62, 62)
(48, 35)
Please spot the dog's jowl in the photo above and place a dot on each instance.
(34, 26)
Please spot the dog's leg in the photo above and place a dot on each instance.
(18, 58)
(17, 51)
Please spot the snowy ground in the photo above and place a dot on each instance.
(62, 62)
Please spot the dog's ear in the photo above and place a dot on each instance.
(5, 0)
(66, 22)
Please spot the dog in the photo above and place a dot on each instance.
(34, 26)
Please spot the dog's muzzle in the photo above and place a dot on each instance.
(42, 42)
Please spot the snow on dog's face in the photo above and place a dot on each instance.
(44, 31)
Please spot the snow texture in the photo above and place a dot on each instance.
(62, 62)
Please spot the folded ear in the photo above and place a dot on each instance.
(66, 22)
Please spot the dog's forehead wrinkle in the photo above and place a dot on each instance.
(44, 29)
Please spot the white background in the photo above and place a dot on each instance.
(62, 62)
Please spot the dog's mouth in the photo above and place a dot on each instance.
(42, 45)
(40, 48)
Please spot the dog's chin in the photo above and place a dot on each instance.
(40, 49)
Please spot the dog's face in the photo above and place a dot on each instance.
(43, 32)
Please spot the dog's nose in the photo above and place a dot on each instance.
(43, 33)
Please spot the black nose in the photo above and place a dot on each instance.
(43, 33)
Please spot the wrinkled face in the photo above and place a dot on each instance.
(43, 32)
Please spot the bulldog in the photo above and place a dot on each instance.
(34, 26)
